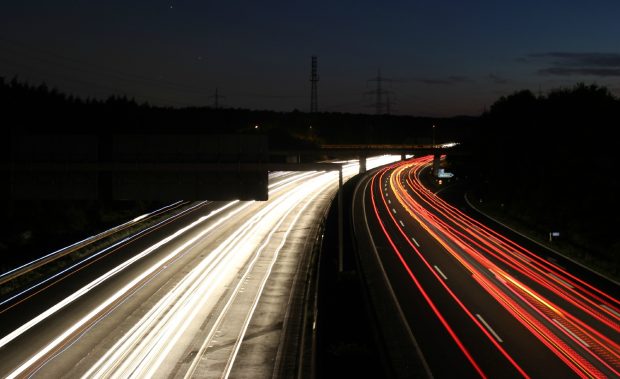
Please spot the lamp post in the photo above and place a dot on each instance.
(436, 157)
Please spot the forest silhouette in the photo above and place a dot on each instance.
(547, 160)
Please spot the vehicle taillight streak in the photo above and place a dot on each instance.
(505, 250)
(456, 299)
(578, 322)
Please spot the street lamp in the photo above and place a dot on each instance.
(433, 135)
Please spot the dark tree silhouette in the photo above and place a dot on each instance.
(550, 160)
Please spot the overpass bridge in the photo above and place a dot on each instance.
(363, 151)
(165, 167)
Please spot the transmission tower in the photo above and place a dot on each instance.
(314, 78)
(216, 98)
(381, 106)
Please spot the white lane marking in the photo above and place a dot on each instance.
(571, 333)
(394, 210)
(441, 273)
(611, 310)
(560, 280)
(387, 194)
(389, 202)
(401, 223)
(489, 328)
(400, 313)
(416, 242)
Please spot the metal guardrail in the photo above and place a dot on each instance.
(49, 258)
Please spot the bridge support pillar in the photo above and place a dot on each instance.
(436, 163)
(293, 159)
(362, 165)
(403, 157)
(340, 223)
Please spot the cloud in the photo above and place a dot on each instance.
(498, 79)
(450, 80)
(581, 59)
(578, 64)
(566, 71)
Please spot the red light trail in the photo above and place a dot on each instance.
(578, 322)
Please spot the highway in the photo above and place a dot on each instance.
(473, 302)
(202, 295)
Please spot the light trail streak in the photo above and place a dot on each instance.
(584, 291)
(606, 347)
(264, 282)
(142, 350)
(84, 262)
(93, 315)
(113, 299)
(480, 250)
(443, 284)
(425, 295)
(26, 267)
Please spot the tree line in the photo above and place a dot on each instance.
(547, 160)
(31, 228)
(550, 161)
(42, 109)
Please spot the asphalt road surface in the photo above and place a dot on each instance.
(202, 295)
(476, 303)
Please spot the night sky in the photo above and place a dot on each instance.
(445, 58)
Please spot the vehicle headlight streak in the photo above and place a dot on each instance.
(141, 351)
(61, 252)
(155, 328)
(82, 263)
(474, 240)
(276, 186)
(191, 371)
(150, 341)
(101, 309)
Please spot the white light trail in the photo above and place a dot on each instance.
(143, 349)
(165, 329)
(85, 240)
(93, 314)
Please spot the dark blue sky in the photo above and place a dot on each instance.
(445, 57)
